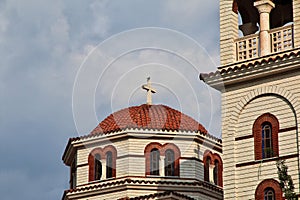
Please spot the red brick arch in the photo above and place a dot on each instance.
(213, 157)
(102, 153)
(162, 150)
(268, 183)
(257, 133)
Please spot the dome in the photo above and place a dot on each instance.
(154, 117)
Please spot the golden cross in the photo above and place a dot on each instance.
(149, 90)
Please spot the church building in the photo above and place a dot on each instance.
(259, 79)
(145, 152)
(156, 152)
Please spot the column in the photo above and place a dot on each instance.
(103, 161)
(162, 166)
(211, 173)
(264, 8)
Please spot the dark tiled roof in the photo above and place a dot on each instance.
(154, 117)
(144, 181)
(236, 67)
(159, 195)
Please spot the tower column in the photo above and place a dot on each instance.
(264, 8)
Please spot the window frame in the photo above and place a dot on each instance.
(169, 163)
(97, 167)
(162, 151)
(154, 162)
(209, 159)
(109, 164)
(259, 149)
(266, 185)
(103, 154)
(267, 195)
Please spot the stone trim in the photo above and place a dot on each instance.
(267, 160)
(245, 137)
(271, 90)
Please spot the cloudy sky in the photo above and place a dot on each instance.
(67, 64)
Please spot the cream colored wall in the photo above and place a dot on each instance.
(228, 32)
(239, 113)
(131, 160)
(296, 13)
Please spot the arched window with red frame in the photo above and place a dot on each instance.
(265, 132)
(213, 165)
(268, 189)
(171, 162)
(96, 157)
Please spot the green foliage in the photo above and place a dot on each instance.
(286, 181)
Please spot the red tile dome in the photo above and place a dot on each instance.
(155, 117)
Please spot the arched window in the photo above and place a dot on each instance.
(169, 163)
(216, 172)
(213, 168)
(206, 168)
(154, 162)
(267, 149)
(98, 167)
(171, 154)
(269, 194)
(109, 165)
(268, 189)
(109, 153)
(265, 132)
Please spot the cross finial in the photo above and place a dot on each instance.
(149, 90)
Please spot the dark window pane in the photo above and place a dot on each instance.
(154, 162)
(266, 141)
(98, 167)
(109, 163)
(169, 163)
(216, 172)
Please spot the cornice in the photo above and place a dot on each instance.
(90, 140)
(243, 72)
(139, 183)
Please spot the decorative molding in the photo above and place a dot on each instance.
(266, 160)
(245, 137)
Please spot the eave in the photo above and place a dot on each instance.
(264, 67)
(92, 139)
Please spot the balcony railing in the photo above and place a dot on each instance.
(248, 47)
(282, 38)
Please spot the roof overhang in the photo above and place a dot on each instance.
(265, 67)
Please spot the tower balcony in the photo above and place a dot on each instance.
(281, 39)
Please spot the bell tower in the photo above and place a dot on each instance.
(259, 79)
(265, 27)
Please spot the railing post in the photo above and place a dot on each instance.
(264, 8)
